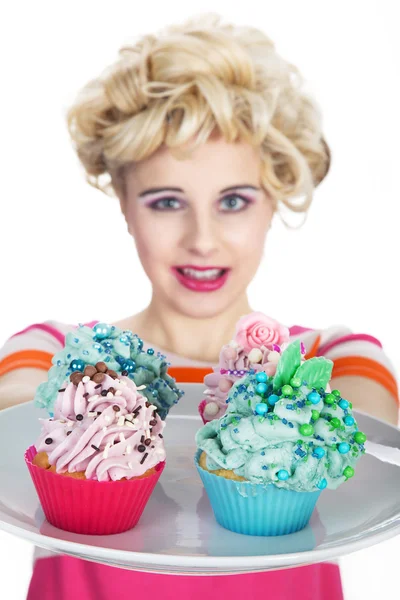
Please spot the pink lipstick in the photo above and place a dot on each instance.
(201, 279)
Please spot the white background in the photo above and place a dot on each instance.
(56, 232)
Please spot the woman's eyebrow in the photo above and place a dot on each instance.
(176, 189)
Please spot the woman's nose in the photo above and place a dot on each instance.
(201, 236)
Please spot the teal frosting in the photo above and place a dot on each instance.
(117, 347)
(287, 437)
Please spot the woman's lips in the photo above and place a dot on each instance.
(201, 279)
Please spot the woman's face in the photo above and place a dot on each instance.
(199, 224)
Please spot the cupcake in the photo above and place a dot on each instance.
(282, 440)
(123, 353)
(98, 459)
(257, 345)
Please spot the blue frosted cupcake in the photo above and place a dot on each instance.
(282, 441)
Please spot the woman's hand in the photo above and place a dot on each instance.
(19, 386)
(368, 396)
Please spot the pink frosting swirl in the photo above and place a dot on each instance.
(232, 358)
(107, 436)
(256, 330)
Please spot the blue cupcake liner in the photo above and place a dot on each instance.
(256, 509)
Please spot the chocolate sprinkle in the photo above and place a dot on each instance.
(153, 422)
(141, 448)
(124, 373)
(116, 408)
(142, 439)
(147, 442)
(69, 432)
(96, 448)
(86, 395)
(79, 417)
(147, 404)
(76, 377)
(112, 390)
(62, 390)
(104, 393)
(98, 377)
(96, 387)
(161, 436)
(48, 441)
(98, 413)
(144, 458)
(90, 370)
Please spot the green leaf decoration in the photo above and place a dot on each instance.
(316, 372)
(288, 364)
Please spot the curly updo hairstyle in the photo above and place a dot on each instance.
(188, 81)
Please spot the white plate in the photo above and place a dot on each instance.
(178, 533)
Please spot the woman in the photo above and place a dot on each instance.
(199, 220)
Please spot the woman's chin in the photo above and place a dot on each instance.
(202, 306)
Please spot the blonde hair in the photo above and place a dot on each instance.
(190, 80)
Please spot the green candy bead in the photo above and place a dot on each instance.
(335, 422)
(306, 429)
(330, 399)
(314, 415)
(287, 390)
(348, 472)
(360, 437)
(336, 393)
(295, 382)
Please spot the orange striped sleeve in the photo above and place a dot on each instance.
(366, 367)
(36, 359)
(189, 374)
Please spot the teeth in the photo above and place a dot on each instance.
(202, 275)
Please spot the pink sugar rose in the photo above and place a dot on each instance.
(256, 329)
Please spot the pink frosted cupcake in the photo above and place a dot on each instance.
(97, 461)
(258, 344)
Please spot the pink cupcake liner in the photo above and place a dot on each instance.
(87, 506)
(201, 408)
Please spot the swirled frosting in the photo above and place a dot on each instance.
(286, 429)
(121, 351)
(234, 363)
(108, 430)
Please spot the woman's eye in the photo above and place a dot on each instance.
(166, 204)
(234, 203)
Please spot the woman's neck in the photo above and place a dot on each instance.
(196, 339)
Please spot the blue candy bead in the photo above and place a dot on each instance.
(322, 484)
(128, 365)
(319, 452)
(282, 475)
(314, 397)
(343, 447)
(343, 404)
(77, 365)
(273, 399)
(150, 351)
(348, 420)
(261, 408)
(51, 415)
(101, 331)
(261, 388)
(262, 377)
